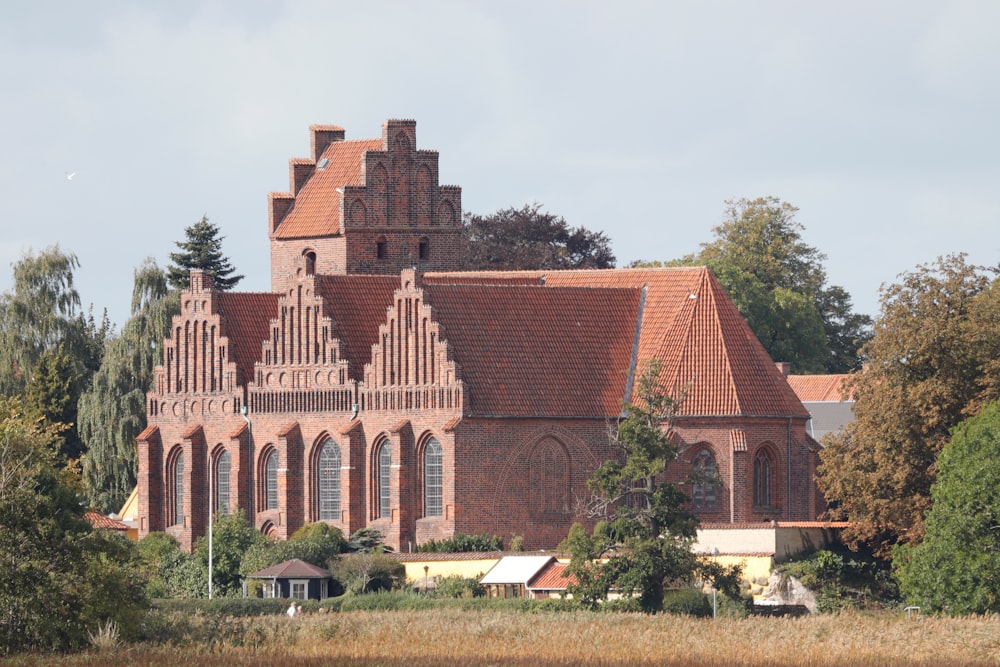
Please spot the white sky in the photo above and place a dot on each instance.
(879, 120)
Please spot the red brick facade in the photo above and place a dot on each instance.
(373, 388)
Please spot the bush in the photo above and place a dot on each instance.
(687, 601)
(228, 606)
(368, 573)
(844, 579)
(459, 587)
(387, 601)
(462, 543)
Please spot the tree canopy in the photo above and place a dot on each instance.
(112, 412)
(955, 568)
(778, 283)
(644, 535)
(61, 578)
(49, 348)
(934, 361)
(201, 249)
(529, 238)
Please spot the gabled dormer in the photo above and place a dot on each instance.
(200, 374)
(302, 367)
(412, 366)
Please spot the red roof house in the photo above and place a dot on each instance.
(378, 386)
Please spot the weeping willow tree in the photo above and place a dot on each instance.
(113, 411)
(39, 314)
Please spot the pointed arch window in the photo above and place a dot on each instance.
(762, 479)
(222, 467)
(384, 473)
(271, 481)
(175, 505)
(706, 473)
(328, 476)
(433, 478)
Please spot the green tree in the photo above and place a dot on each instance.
(112, 412)
(931, 364)
(643, 540)
(955, 568)
(530, 238)
(61, 578)
(317, 543)
(40, 315)
(232, 537)
(778, 283)
(201, 249)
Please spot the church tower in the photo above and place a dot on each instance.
(368, 206)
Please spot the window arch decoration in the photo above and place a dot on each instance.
(223, 466)
(383, 480)
(269, 480)
(549, 477)
(175, 487)
(706, 473)
(433, 473)
(763, 479)
(327, 469)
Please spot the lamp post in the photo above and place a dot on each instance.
(210, 508)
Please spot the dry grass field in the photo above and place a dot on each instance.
(455, 637)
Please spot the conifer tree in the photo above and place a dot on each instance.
(201, 249)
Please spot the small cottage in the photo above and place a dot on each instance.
(295, 579)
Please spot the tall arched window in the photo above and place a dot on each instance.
(384, 471)
(328, 476)
(705, 474)
(433, 473)
(762, 479)
(176, 506)
(222, 466)
(271, 481)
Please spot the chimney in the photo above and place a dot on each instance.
(784, 366)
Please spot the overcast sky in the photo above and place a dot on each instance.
(879, 120)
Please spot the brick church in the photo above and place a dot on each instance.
(377, 386)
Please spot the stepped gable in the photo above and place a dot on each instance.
(245, 319)
(703, 343)
(316, 211)
(532, 351)
(820, 388)
(356, 304)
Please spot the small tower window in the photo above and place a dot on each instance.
(310, 262)
(381, 251)
(424, 250)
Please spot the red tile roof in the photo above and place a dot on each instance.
(534, 351)
(316, 211)
(553, 577)
(818, 388)
(98, 520)
(246, 321)
(705, 347)
(357, 305)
